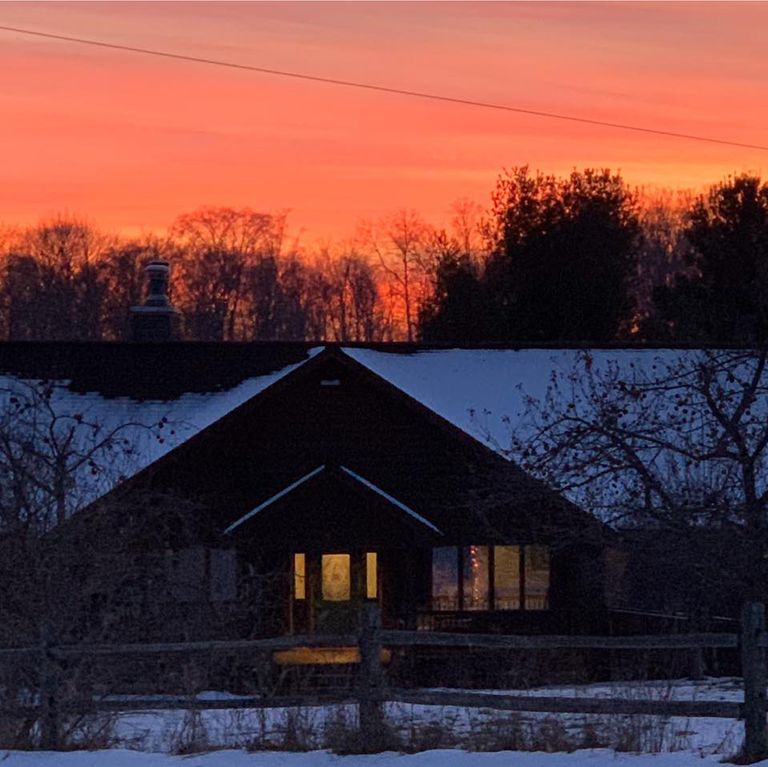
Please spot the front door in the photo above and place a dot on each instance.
(329, 588)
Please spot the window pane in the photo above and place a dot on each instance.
(506, 577)
(536, 577)
(445, 578)
(299, 576)
(371, 575)
(476, 578)
(336, 580)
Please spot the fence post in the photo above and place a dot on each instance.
(754, 672)
(371, 678)
(49, 706)
(696, 663)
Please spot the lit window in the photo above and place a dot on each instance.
(506, 577)
(445, 578)
(461, 578)
(476, 580)
(299, 576)
(371, 575)
(336, 578)
(536, 577)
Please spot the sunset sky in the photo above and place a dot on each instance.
(130, 140)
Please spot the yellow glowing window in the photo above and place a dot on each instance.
(299, 576)
(336, 578)
(506, 577)
(476, 581)
(371, 575)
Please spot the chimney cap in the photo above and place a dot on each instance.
(156, 319)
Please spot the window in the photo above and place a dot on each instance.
(445, 578)
(299, 576)
(506, 577)
(336, 577)
(371, 575)
(476, 581)
(485, 577)
(536, 577)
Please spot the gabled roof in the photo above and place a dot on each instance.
(193, 386)
(409, 458)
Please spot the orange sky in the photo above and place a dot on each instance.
(130, 141)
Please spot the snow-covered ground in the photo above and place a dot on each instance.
(435, 758)
(463, 736)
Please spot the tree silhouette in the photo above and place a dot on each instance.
(675, 444)
(451, 314)
(564, 254)
(726, 299)
(219, 248)
(53, 284)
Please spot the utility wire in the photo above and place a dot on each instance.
(383, 88)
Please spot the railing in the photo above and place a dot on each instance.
(372, 691)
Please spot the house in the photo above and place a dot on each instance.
(256, 489)
(315, 483)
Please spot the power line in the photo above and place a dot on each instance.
(383, 89)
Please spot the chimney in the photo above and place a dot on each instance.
(156, 320)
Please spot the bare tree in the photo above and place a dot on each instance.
(467, 228)
(219, 250)
(54, 459)
(664, 250)
(674, 444)
(78, 567)
(53, 282)
(344, 299)
(398, 242)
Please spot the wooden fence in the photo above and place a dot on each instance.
(371, 690)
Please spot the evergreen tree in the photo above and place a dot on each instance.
(562, 254)
(565, 253)
(454, 313)
(726, 299)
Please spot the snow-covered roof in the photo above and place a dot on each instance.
(483, 391)
(144, 429)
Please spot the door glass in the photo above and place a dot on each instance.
(336, 577)
(299, 576)
(371, 575)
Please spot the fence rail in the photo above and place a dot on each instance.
(544, 642)
(371, 690)
(189, 648)
(469, 699)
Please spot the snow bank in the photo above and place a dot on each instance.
(438, 758)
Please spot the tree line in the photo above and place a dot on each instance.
(556, 259)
